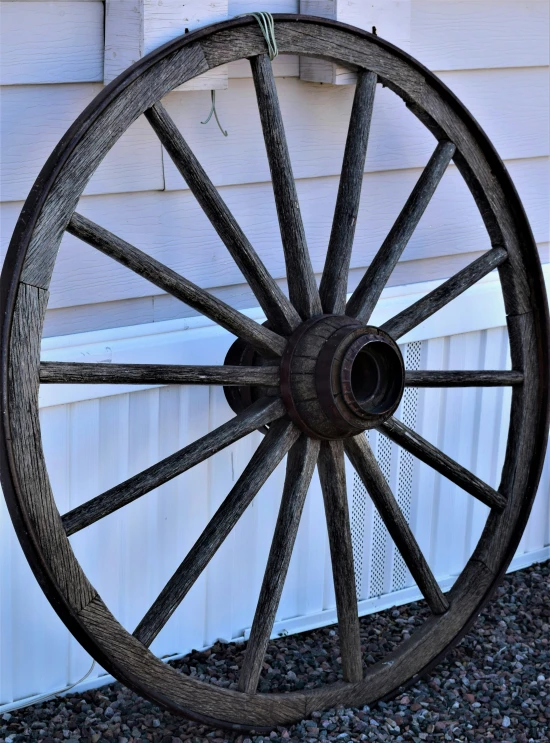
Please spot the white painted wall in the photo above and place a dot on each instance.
(494, 55)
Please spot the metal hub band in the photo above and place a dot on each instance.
(338, 377)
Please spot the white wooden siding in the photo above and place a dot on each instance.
(475, 34)
(51, 42)
(96, 436)
(35, 117)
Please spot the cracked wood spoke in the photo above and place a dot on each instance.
(365, 297)
(335, 274)
(434, 457)
(449, 290)
(333, 484)
(259, 414)
(300, 465)
(302, 287)
(280, 437)
(265, 341)
(280, 313)
(61, 372)
(366, 466)
(463, 378)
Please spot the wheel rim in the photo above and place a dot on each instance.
(25, 280)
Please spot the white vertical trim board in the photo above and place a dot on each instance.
(133, 28)
(96, 436)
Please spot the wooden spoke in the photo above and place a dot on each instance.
(366, 466)
(363, 300)
(259, 414)
(432, 456)
(281, 314)
(335, 274)
(449, 290)
(301, 281)
(333, 483)
(265, 341)
(61, 372)
(463, 378)
(301, 463)
(275, 445)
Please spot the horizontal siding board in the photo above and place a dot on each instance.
(512, 106)
(469, 34)
(316, 119)
(171, 226)
(51, 42)
(130, 312)
(34, 118)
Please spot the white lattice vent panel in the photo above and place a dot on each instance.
(359, 515)
(379, 568)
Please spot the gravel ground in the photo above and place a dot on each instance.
(494, 686)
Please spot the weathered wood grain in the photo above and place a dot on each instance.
(302, 288)
(432, 456)
(461, 378)
(61, 372)
(449, 290)
(299, 471)
(366, 466)
(333, 285)
(180, 693)
(281, 314)
(268, 343)
(259, 414)
(277, 442)
(39, 515)
(365, 297)
(333, 483)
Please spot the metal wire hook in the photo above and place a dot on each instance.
(213, 111)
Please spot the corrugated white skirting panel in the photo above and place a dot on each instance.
(92, 444)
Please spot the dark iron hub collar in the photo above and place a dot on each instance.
(338, 377)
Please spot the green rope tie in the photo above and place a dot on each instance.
(267, 26)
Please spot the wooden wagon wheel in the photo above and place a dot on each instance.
(317, 375)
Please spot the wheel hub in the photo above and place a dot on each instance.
(338, 377)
